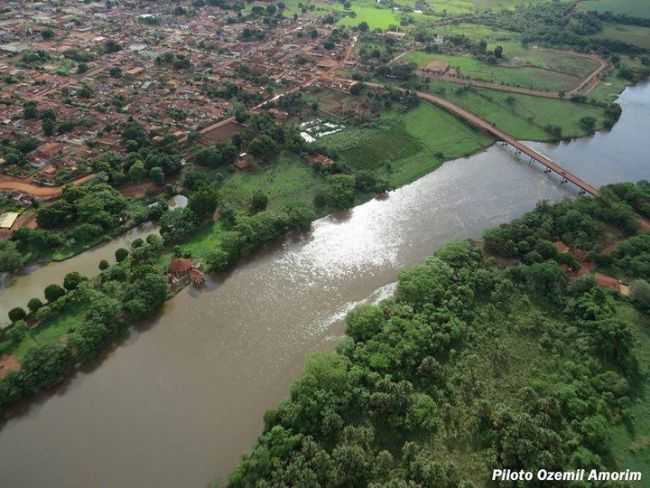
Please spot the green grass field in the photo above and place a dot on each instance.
(634, 8)
(405, 146)
(524, 77)
(377, 18)
(631, 34)
(522, 116)
(51, 332)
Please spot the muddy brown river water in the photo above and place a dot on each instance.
(179, 402)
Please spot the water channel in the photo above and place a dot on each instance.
(181, 400)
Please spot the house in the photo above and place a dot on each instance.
(434, 68)
(182, 269)
(179, 267)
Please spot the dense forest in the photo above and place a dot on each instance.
(473, 365)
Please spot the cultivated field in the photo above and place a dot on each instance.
(405, 146)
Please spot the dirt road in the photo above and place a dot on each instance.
(9, 183)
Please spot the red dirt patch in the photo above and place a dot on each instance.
(8, 363)
(139, 190)
(606, 281)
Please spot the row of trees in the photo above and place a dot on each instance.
(132, 289)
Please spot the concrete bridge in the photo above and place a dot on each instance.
(549, 165)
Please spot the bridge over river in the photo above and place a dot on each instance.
(473, 119)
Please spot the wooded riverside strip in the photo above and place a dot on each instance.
(473, 365)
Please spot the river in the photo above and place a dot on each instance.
(180, 401)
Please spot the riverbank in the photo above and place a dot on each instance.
(229, 352)
(396, 148)
(466, 362)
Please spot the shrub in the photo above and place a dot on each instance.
(121, 254)
(53, 292)
(16, 314)
(34, 304)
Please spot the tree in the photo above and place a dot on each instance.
(588, 124)
(111, 46)
(339, 192)
(498, 52)
(641, 294)
(363, 27)
(121, 254)
(72, 280)
(82, 68)
(10, 258)
(16, 314)
(30, 111)
(364, 322)
(203, 202)
(259, 201)
(53, 292)
(263, 147)
(48, 126)
(177, 225)
(218, 260)
(157, 175)
(146, 295)
(137, 172)
(103, 265)
(34, 304)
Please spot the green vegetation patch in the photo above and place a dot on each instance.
(631, 441)
(376, 18)
(633, 8)
(523, 116)
(468, 366)
(402, 147)
(630, 34)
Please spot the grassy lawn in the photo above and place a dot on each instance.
(50, 332)
(522, 116)
(634, 8)
(405, 146)
(287, 180)
(377, 18)
(631, 34)
(631, 444)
